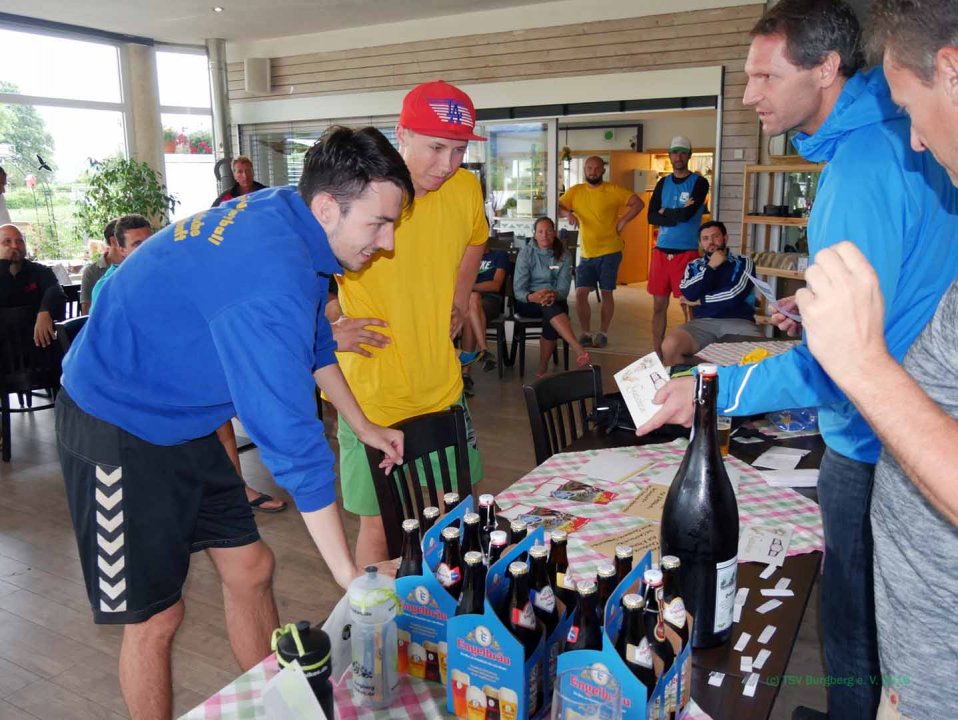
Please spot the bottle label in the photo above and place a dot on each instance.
(674, 613)
(450, 576)
(544, 599)
(573, 634)
(639, 654)
(524, 617)
(725, 573)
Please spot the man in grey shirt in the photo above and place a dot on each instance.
(96, 270)
(912, 407)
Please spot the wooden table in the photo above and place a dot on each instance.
(727, 700)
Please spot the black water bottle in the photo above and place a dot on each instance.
(700, 523)
(311, 648)
(411, 563)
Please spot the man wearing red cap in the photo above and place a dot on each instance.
(420, 290)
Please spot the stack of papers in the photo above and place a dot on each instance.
(791, 478)
(639, 383)
(780, 458)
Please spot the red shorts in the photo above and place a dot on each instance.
(666, 271)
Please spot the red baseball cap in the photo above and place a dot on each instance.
(439, 109)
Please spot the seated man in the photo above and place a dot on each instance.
(485, 302)
(24, 282)
(130, 231)
(718, 288)
(95, 270)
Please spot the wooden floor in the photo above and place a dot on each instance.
(56, 664)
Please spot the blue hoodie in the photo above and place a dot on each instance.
(901, 210)
(219, 315)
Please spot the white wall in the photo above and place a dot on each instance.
(656, 134)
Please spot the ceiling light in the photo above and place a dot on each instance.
(217, 9)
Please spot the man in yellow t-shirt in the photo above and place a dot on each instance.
(420, 291)
(600, 210)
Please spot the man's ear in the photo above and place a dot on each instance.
(946, 72)
(325, 209)
(828, 70)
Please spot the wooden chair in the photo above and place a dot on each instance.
(24, 367)
(401, 493)
(68, 330)
(560, 407)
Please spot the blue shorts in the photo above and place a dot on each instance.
(601, 271)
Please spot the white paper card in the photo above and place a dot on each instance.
(775, 459)
(766, 573)
(737, 613)
(791, 478)
(745, 664)
(767, 544)
(288, 695)
(740, 596)
(716, 678)
(638, 383)
(742, 641)
(775, 592)
(662, 474)
(747, 440)
(766, 290)
(759, 662)
(783, 584)
(768, 607)
(613, 467)
(766, 634)
(750, 685)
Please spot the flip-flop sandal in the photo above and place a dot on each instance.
(257, 504)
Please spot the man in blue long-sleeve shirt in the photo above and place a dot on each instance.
(718, 288)
(218, 315)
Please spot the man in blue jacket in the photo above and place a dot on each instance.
(206, 321)
(718, 288)
(899, 208)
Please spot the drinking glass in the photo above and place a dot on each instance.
(724, 433)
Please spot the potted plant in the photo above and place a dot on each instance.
(169, 140)
(201, 142)
(118, 186)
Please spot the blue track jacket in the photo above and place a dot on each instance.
(725, 291)
(901, 210)
(219, 315)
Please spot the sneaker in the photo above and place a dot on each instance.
(601, 340)
(468, 382)
(489, 361)
(468, 358)
(585, 340)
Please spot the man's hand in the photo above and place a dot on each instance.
(717, 258)
(456, 320)
(43, 333)
(690, 303)
(677, 406)
(351, 334)
(388, 440)
(572, 219)
(785, 324)
(843, 312)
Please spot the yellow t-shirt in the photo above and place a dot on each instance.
(598, 210)
(412, 289)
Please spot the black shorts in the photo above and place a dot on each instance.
(140, 509)
(491, 305)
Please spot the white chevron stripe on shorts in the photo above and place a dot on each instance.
(109, 517)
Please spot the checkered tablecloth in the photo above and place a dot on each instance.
(240, 700)
(758, 502)
(730, 353)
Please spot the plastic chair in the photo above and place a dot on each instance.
(24, 367)
(414, 485)
(560, 408)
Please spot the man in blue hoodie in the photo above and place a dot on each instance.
(899, 208)
(204, 322)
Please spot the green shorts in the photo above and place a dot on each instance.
(359, 495)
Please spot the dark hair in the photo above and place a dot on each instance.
(128, 222)
(109, 231)
(814, 28)
(558, 247)
(2, 171)
(713, 223)
(913, 31)
(343, 162)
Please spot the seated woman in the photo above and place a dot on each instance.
(541, 283)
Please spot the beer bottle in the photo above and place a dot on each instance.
(450, 500)
(632, 645)
(558, 566)
(429, 516)
(449, 572)
(540, 589)
(470, 533)
(487, 519)
(607, 582)
(673, 610)
(623, 562)
(662, 652)
(411, 563)
(700, 523)
(498, 540)
(522, 623)
(585, 633)
(473, 585)
(517, 532)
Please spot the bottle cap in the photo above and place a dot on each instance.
(517, 526)
(606, 569)
(518, 568)
(633, 602)
(623, 551)
(410, 525)
(707, 369)
(585, 587)
(431, 512)
(538, 551)
(487, 499)
(450, 533)
(450, 498)
(498, 537)
(670, 562)
(473, 558)
(471, 518)
(653, 576)
(559, 536)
